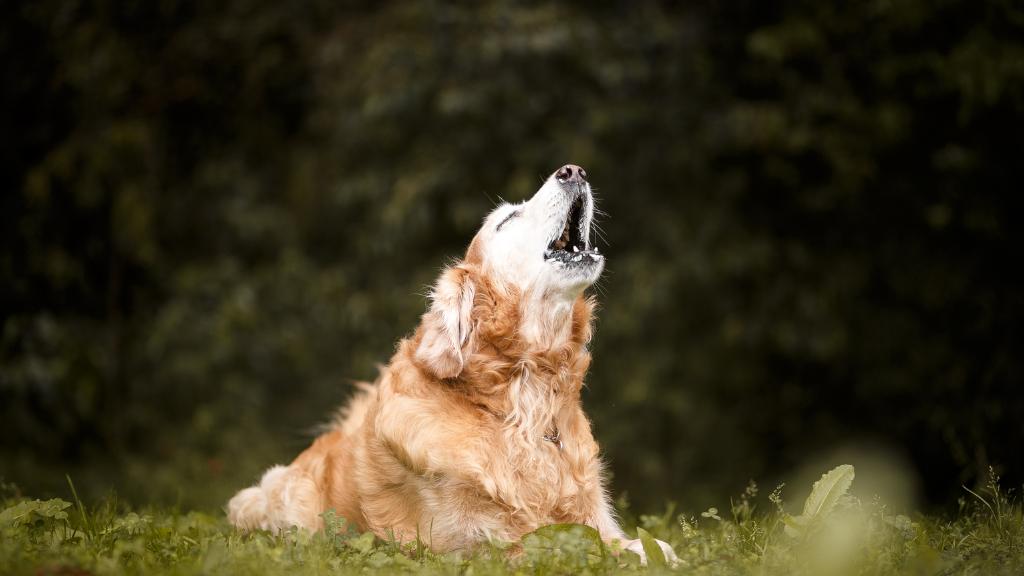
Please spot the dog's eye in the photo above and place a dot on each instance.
(507, 218)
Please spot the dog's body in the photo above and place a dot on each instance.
(474, 430)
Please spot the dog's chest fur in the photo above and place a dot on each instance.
(502, 477)
(549, 448)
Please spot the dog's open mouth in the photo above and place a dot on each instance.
(572, 245)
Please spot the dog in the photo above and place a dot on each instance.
(474, 431)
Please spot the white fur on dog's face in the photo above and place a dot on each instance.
(518, 242)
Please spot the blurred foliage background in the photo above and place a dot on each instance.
(216, 216)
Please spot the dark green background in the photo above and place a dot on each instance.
(216, 215)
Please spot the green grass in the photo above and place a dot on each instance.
(835, 534)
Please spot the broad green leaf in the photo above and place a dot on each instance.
(827, 491)
(27, 511)
(550, 533)
(573, 540)
(54, 508)
(16, 515)
(655, 557)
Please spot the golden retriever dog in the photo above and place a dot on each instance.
(475, 430)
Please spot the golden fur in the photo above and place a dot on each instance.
(471, 432)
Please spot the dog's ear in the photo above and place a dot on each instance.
(448, 325)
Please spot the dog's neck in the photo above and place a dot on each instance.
(529, 370)
(546, 324)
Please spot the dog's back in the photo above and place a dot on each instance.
(298, 494)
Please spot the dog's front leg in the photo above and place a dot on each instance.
(611, 533)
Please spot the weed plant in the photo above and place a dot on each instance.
(835, 534)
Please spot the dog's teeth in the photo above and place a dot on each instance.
(575, 248)
(596, 250)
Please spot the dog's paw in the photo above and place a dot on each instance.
(636, 546)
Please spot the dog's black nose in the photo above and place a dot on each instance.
(571, 173)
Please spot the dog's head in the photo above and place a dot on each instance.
(542, 245)
(538, 253)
